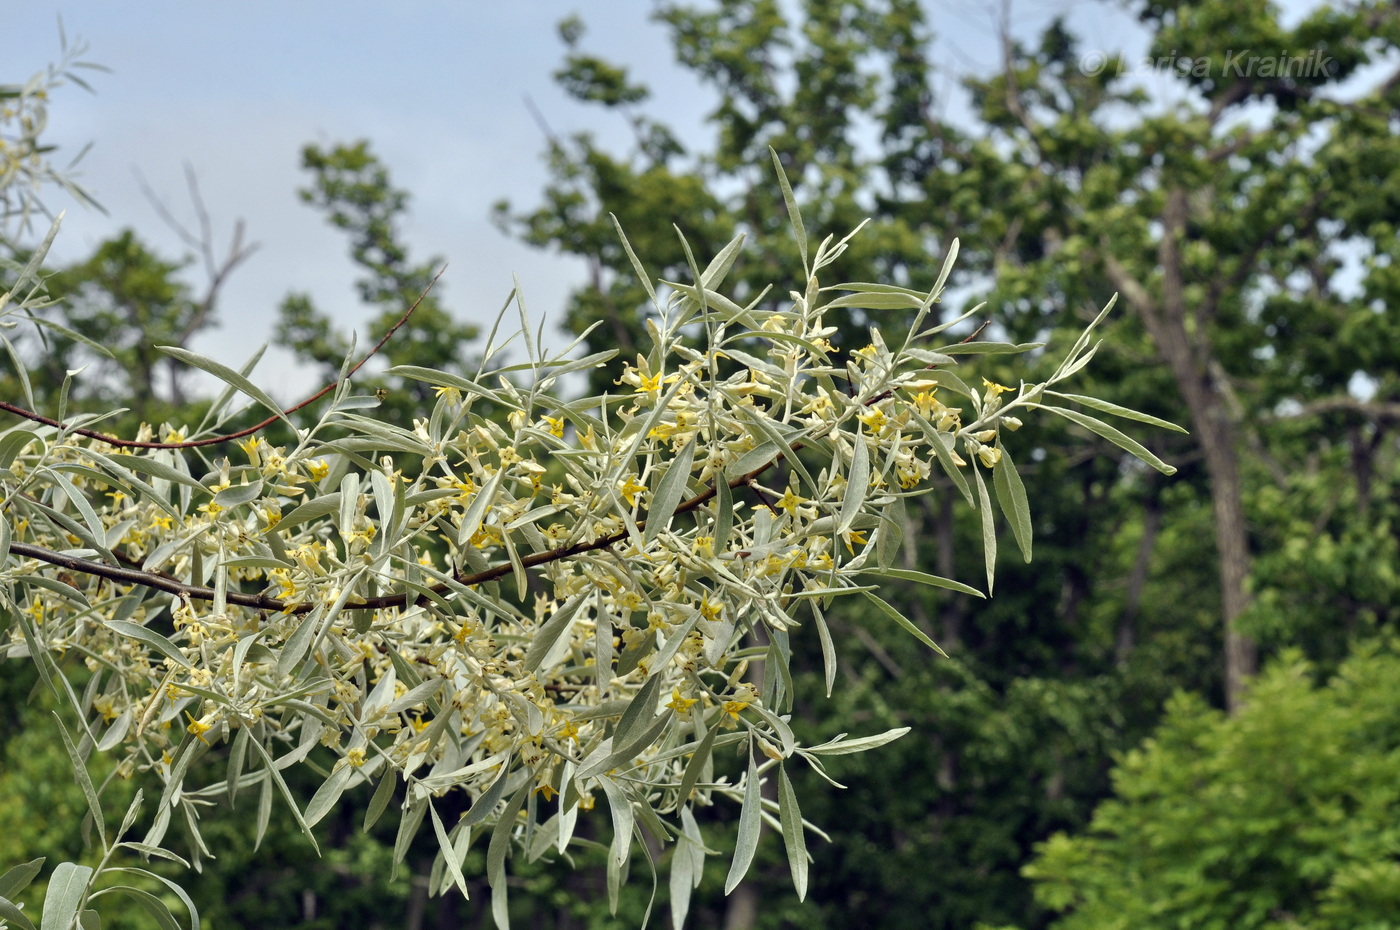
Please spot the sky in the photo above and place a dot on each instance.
(235, 90)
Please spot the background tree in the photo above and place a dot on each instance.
(1227, 221)
(1279, 816)
(354, 189)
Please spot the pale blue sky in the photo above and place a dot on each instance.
(236, 89)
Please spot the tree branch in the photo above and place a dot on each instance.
(215, 440)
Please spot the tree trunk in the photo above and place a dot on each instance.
(1180, 335)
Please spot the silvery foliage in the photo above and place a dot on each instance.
(533, 600)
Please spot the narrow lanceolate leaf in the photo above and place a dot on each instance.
(770, 433)
(66, 892)
(1119, 439)
(828, 648)
(380, 801)
(670, 491)
(84, 780)
(226, 375)
(857, 484)
(276, 776)
(638, 714)
(328, 795)
(793, 838)
(989, 530)
(682, 880)
(151, 638)
(238, 494)
(500, 837)
(694, 270)
(642, 275)
(876, 302)
(935, 581)
(1011, 495)
(990, 348)
(8, 911)
(152, 905)
(904, 622)
(750, 823)
(476, 510)
(148, 877)
(696, 765)
(620, 806)
(1104, 406)
(943, 273)
(799, 232)
(449, 853)
(546, 636)
(18, 878)
(844, 747)
(891, 536)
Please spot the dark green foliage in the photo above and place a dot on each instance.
(1281, 816)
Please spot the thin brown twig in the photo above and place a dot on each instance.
(397, 601)
(215, 440)
(762, 493)
(170, 585)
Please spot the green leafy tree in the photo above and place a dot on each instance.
(127, 300)
(1280, 816)
(352, 186)
(1243, 324)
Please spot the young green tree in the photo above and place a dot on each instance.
(1280, 816)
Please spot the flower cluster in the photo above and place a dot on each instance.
(534, 599)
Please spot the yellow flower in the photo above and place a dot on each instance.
(364, 534)
(680, 704)
(994, 388)
(103, 705)
(630, 489)
(198, 728)
(568, 731)
(734, 708)
(874, 420)
(452, 395)
(556, 426)
(356, 757)
(926, 402)
(318, 469)
(252, 447)
(791, 501)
